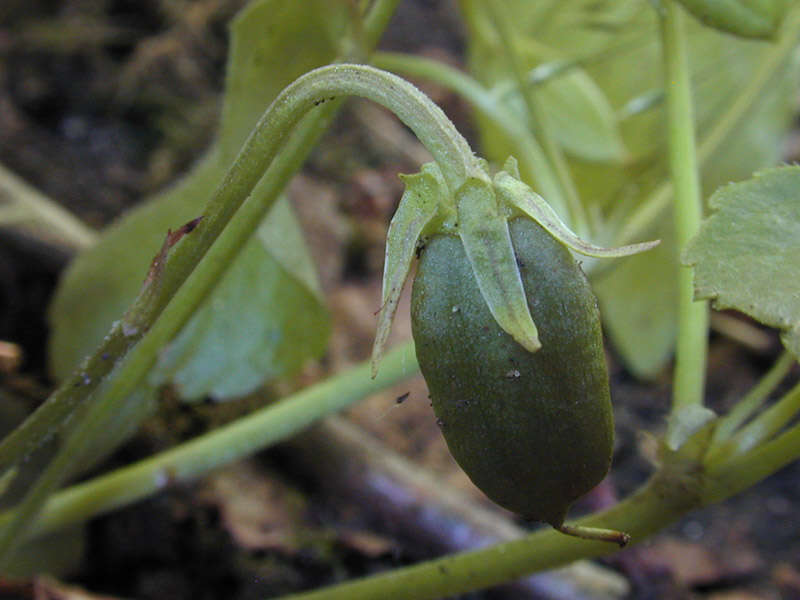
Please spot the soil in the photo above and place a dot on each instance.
(95, 117)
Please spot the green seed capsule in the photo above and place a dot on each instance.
(534, 431)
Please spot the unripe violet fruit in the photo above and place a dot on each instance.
(534, 431)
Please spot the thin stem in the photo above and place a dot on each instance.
(653, 507)
(104, 395)
(46, 420)
(313, 89)
(317, 87)
(744, 470)
(642, 219)
(377, 19)
(12, 214)
(669, 494)
(761, 428)
(505, 33)
(751, 401)
(690, 353)
(676, 489)
(222, 446)
(534, 165)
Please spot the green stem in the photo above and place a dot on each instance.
(46, 420)
(760, 429)
(377, 19)
(749, 404)
(678, 487)
(317, 87)
(222, 446)
(653, 507)
(690, 353)
(14, 214)
(94, 401)
(641, 221)
(741, 471)
(534, 165)
(508, 40)
(313, 89)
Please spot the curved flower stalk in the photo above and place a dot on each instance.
(458, 190)
(478, 213)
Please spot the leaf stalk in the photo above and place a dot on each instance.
(690, 354)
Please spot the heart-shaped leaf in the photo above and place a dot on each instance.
(747, 254)
(262, 322)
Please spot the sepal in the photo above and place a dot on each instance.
(517, 195)
(426, 196)
(483, 229)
